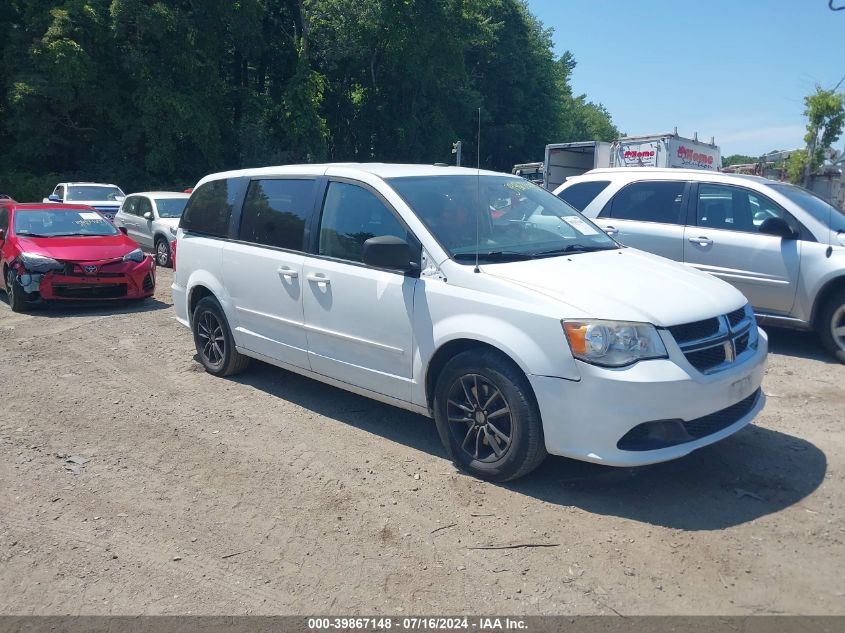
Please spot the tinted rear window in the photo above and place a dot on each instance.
(581, 194)
(649, 201)
(210, 207)
(275, 211)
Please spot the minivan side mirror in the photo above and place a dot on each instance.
(54, 198)
(388, 251)
(778, 227)
(148, 215)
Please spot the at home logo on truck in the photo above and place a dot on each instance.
(689, 156)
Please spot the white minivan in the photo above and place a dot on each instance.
(423, 287)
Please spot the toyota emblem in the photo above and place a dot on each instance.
(90, 269)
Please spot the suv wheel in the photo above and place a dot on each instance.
(14, 292)
(487, 417)
(162, 253)
(832, 325)
(213, 340)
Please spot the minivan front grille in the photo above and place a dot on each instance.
(715, 344)
(694, 331)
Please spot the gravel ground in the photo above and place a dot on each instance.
(270, 493)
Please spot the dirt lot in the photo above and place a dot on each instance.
(273, 494)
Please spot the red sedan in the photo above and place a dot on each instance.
(65, 252)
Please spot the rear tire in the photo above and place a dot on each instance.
(487, 417)
(831, 325)
(162, 249)
(213, 340)
(14, 292)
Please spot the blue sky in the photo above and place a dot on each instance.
(734, 69)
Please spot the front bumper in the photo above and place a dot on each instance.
(111, 280)
(587, 419)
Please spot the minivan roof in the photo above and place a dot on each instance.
(382, 170)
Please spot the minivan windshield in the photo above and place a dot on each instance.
(61, 223)
(88, 192)
(822, 211)
(501, 218)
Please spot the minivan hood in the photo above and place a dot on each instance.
(624, 285)
(78, 248)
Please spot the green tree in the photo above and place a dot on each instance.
(738, 159)
(825, 112)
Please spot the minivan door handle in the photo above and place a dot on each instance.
(287, 272)
(318, 279)
(701, 241)
(611, 230)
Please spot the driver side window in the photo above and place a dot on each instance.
(736, 209)
(351, 216)
(144, 206)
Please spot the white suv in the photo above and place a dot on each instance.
(416, 286)
(105, 198)
(781, 245)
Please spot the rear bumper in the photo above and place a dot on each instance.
(115, 281)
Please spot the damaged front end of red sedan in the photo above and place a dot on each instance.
(66, 253)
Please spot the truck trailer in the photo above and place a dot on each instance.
(563, 160)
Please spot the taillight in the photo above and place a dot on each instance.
(173, 255)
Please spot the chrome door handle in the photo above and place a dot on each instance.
(611, 230)
(701, 241)
(288, 273)
(318, 279)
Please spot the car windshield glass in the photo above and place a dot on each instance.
(88, 192)
(170, 207)
(825, 213)
(501, 218)
(60, 222)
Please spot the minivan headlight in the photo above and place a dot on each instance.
(134, 256)
(613, 343)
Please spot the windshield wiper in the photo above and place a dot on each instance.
(78, 235)
(494, 256)
(28, 234)
(573, 248)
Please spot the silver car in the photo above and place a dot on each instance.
(779, 244)
(151, 219)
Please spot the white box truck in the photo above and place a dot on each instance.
(563, 160)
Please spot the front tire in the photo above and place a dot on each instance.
(14, 292)
(162, 248)
(213, 340)
(487, 417)
(831, 326)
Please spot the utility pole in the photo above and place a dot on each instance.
(456, 150)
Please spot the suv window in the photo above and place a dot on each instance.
(351, 216)
(4, 219)
(131, 205)
(735, 209)
(581, 194)
(648, 201)
(60, 191)
(143, 206)
(275, 211)
(210, 208)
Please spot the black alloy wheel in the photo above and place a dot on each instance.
(479, 418)
(213, 340)
(487, 416)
